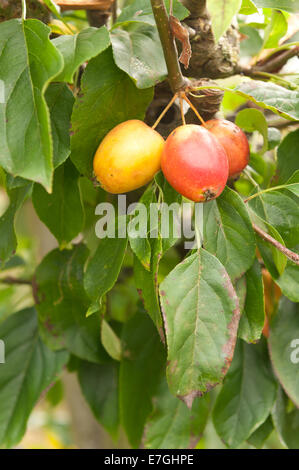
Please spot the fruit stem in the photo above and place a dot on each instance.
(193, 109)
(175, 76)
(165, 110)
(182, 110)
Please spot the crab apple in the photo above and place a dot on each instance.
(234, 142)
(194, 163)
(128, 157)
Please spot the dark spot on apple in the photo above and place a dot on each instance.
(209, 194)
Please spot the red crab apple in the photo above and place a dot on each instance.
(234, 142)
(194, 163)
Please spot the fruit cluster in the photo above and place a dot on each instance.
(196, 160)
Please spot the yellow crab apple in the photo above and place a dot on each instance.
(128, 157)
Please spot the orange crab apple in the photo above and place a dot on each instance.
(194, 163)
(234, 142)
(128, 157)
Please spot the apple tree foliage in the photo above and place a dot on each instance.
(189, 348)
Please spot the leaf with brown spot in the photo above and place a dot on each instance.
(181, 33)
(201, 315)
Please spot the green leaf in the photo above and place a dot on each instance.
(147, 284)
(52, 7)
(287, 157)
(241, 290)
(248, 8)
(60, 102)
(289, 281)
(103, 269)
(11, 182)
(139, 242)
(271, 96)
(55, 394)
(170, 199)
(228, 233)
(25, 131)
(254, 120)
(283, 346)
(140, 11)
(293, 183)
(281, 210)
(14, 262)
(97, 110)
(140, 373)
(258, 437)
(252, 44)
(63, 305)
(62, 211)
(286, 421)
(261, 169)
(222, 13)
(123, 300)
(275, 30)
(274, 137)
(253, 317)
(8, 240)
(99, 385)
(30, 367)
(79, 48)
(288, 5)
(201, 316)
(110, 341)
(138, 52)
(172, 425)
(247, 396)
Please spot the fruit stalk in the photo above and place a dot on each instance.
(175, 76)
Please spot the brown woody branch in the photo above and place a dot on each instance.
(10, 280)
(282, 124)
(294, 257)
(175, 76)
(273, 65)
(276, 61)
(97, 18)
(196, 7)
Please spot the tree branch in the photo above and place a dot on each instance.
(270, 66)
(175, 77)
(114, 11)
(282, 124)
(288, 253)
(275, 62)
(97, 18)
(196, 7)
(12, 280)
